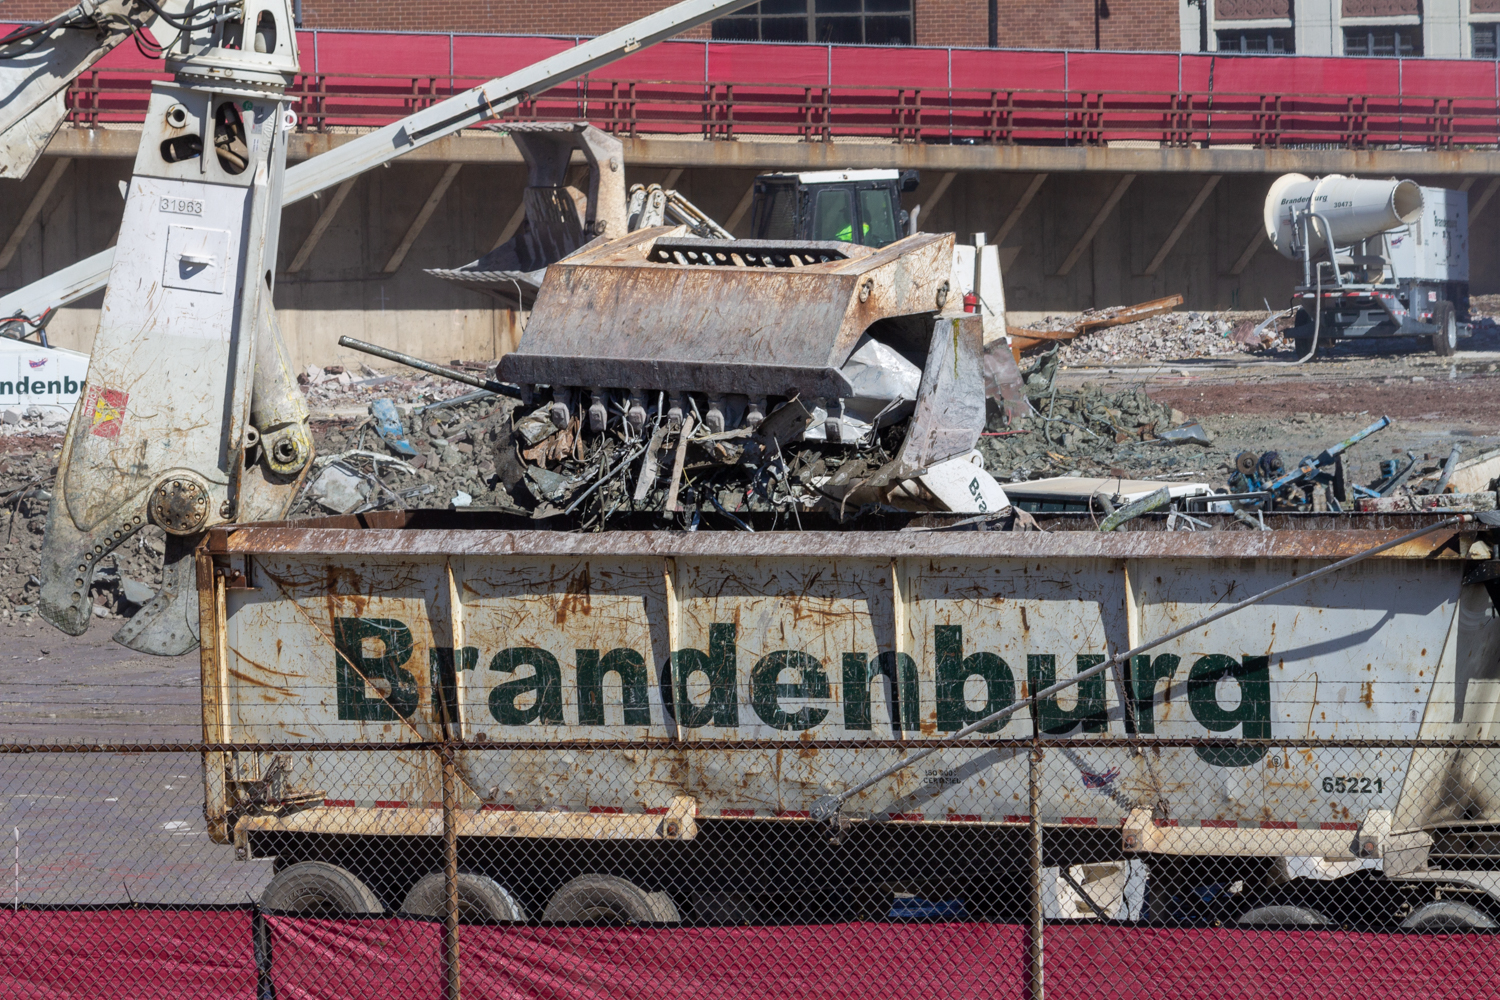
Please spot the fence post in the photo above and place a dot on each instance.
(1035, 989)
(450, 875)
(450, 864)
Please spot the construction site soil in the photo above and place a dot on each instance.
(1245, 401)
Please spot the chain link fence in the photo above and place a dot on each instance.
(336, 874)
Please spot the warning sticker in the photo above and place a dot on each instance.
(106, 408)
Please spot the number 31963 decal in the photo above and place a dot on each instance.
(1353, 786)
(181, 206)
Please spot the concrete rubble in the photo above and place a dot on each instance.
(1170, 337)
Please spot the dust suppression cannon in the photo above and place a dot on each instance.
(1380, 258)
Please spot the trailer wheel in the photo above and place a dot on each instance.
(480, 899)
(318, 889)
(1448, 916)
(1445, 341)
(608, 899)
(1281, 916)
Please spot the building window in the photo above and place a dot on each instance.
(1258, 41)
(1485, 46)
(1405, 40)
(849, 22)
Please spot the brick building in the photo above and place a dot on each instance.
(1454, 29)
(1443, 28)
(1109, 24)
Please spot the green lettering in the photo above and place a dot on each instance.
(1144, 673)
(630, 667)
(766, 693)
(1089, 711)
(954, 671)
(1252, 714)
(859, 672)
(545, 681)
(352, 668)
(443, 663)
(718, 665)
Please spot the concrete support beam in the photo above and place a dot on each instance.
(931, 202)
(325, 219)
(1484, 199)
(420, 222)
(511, 225)
(1019, 209)
(1251, 249)
(1099, 219)
(740, 209)
(750, 154)
(33, 209)
(1187, 217)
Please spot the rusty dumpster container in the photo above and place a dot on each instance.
(669, 706)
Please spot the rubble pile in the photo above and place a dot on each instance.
(123, 580)
(1170, 337)
(33, 421)
(336, 386)
(501, 454)
(1089, 431)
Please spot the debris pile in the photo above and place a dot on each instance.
(337, 387)
(123, 580)
(1088, 429)
(503, 454)
(1168, 337)
(33, 421)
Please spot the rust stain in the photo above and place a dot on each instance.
(578, 599)
(287, 692)
(1367, 694)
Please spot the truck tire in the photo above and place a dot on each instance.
(318, 889)
(609, 899)
(1281, 916)
(480, 899)
(1448, 916)
(1445, 341)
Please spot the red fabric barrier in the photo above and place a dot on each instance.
(1130, 963)
(126, 955)
(334, 960)
(383, 959)
(818, 962)
(486, 56)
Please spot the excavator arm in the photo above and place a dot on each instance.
(39, 61)
(192, 417)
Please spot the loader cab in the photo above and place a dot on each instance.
(849, 206)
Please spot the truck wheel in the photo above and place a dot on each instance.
(480, 899)
(318, 889)
(608, 899)
(1445, 341)
(1281, 916)
(1447, 916)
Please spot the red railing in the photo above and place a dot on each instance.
(725, 91)
(729, 110)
